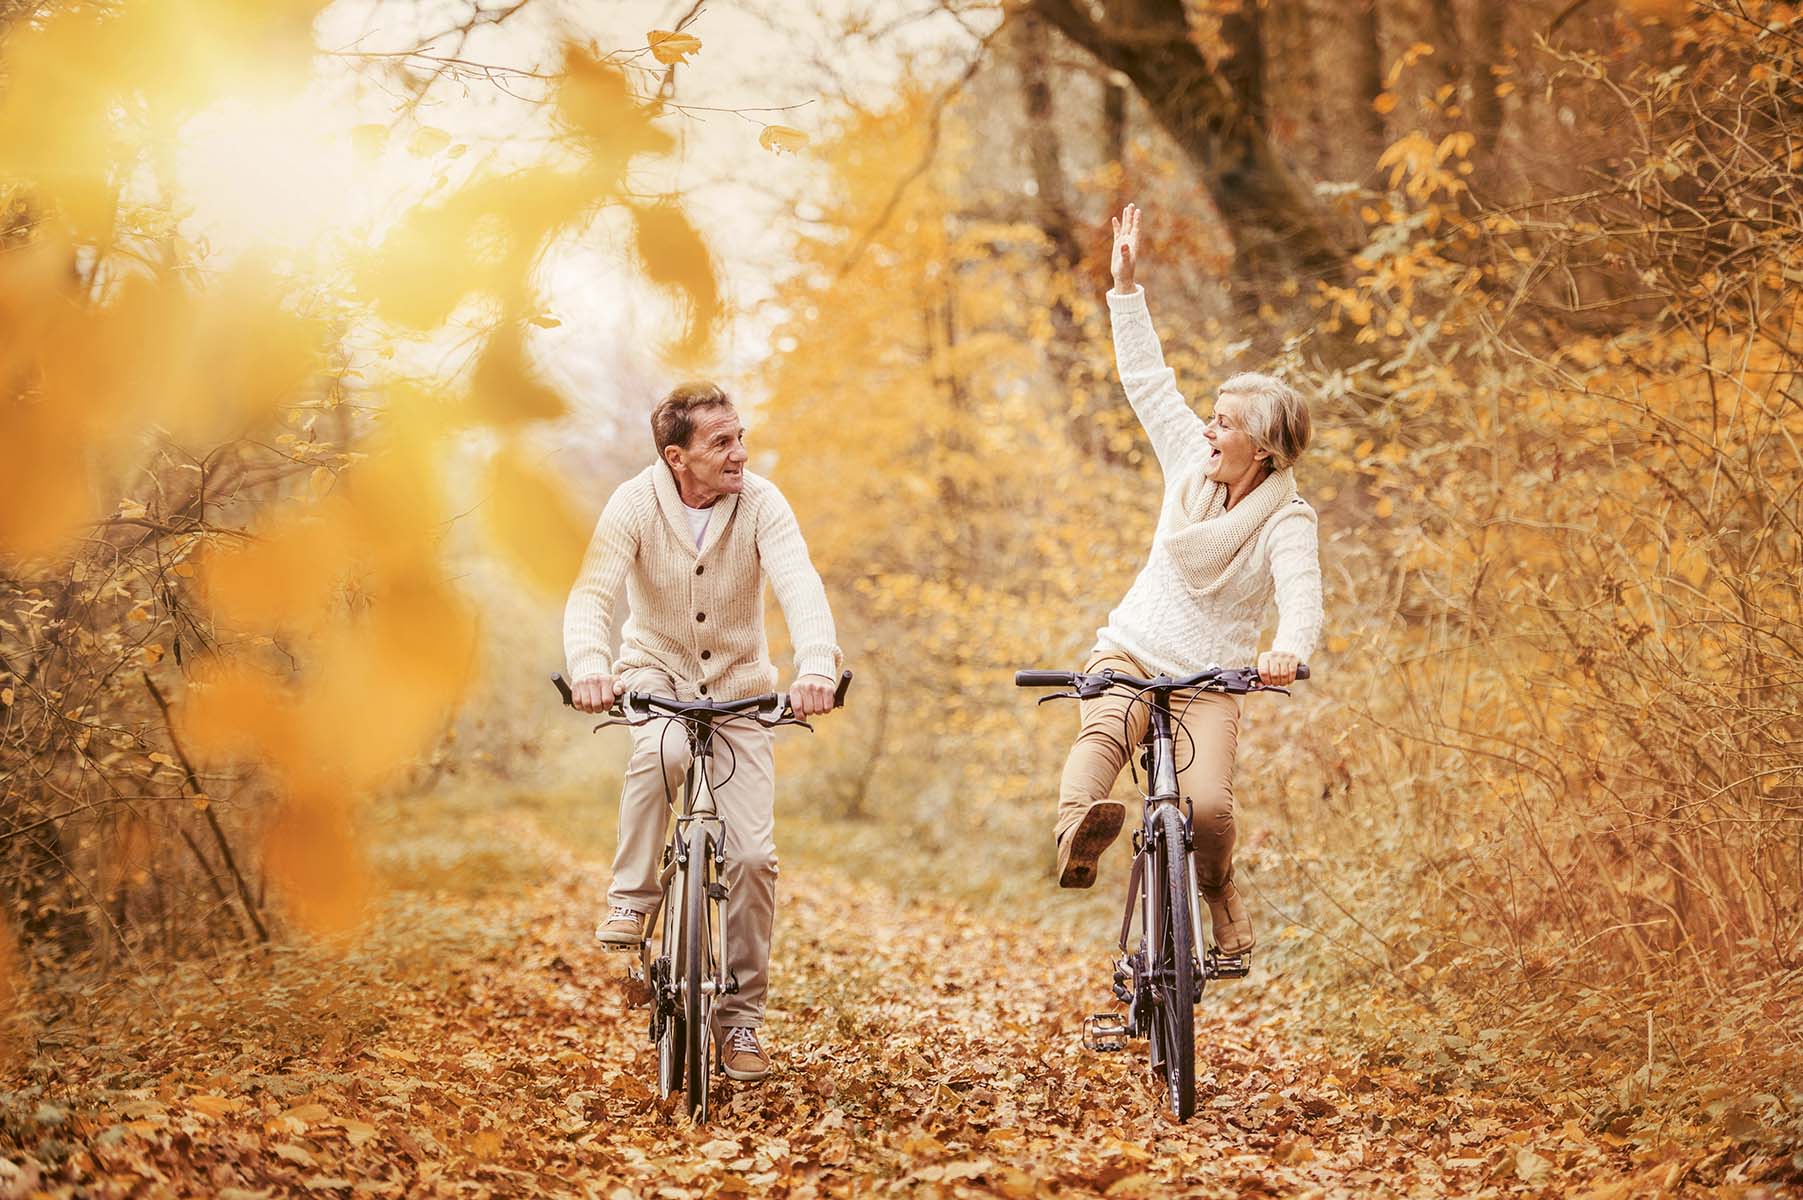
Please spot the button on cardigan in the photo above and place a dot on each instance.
(697, 613)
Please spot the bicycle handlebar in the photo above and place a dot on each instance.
(671, 706)
(1241, 679)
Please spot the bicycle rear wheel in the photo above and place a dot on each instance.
(1174, 967)
(698, 970)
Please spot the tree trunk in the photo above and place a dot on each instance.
(1277, 227)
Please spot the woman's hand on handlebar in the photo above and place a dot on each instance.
(1277, 669)
(811, 695)
(596, 693)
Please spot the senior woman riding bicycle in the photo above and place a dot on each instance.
(1232, 534)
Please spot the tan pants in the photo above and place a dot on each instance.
(743, 773)
(1112, 726)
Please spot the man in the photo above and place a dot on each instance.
(693, 536)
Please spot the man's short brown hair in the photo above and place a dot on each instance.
(673, 420)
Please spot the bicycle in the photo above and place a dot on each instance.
(1160, 979)
(688, 973)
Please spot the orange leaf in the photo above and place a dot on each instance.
(671, 48)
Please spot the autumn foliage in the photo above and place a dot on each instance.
(1525, 854)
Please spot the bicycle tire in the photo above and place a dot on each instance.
(1174, 959)
(670, 1040)
(697, 955)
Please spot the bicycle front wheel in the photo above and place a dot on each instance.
(1174, 966)
(698, 972)
(667, 1026)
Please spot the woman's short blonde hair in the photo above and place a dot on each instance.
(1276, 415)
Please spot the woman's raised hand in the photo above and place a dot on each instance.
(1125, 259)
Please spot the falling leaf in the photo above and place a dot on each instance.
(427, 141)
(671, 48)
(531, 521)
(782, 139)
(673, 254)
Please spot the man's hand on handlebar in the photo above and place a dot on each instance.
(811, 695)
(1277, 669)
(597, 693)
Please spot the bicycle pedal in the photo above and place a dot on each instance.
(621, 948)
(1105, 1033)
(1229, 966)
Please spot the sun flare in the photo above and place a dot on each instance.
(283, 174)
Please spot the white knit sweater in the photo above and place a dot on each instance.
(1187, 611)
(697, 614)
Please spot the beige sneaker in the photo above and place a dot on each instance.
(1084, 842)
(623, 927)
(740, 1055)
(1231, 927)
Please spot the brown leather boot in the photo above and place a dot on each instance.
(1084, 842)
(1231, 928)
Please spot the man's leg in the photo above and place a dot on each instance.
(652, 784)
(744, 771)
(1088, 821)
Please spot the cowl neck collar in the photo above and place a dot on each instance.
(1216, 542)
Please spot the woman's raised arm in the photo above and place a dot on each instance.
(1151, 387)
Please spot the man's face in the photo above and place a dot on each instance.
(714, 459)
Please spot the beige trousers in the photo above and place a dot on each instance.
(743, 773)
(1112, 725)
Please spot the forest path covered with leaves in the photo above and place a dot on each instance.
(476, 1042)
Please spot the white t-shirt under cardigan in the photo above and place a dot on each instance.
(1201, 598)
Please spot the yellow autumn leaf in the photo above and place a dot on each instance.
(427, 141)
(671, 48)
(782, 139)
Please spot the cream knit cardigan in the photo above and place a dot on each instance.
(697, 614)
(1201, 598)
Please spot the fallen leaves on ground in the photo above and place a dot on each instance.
(477, 1042)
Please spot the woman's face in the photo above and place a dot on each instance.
(1235, 458)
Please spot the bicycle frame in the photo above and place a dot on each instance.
(1159, 745)
(697, 841)
(697, 833)
(1161, 976)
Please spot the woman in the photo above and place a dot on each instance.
(1232, 533)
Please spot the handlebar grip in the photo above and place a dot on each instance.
(563, 689)
(1042, 678)
(844, 686)
(1302, 670)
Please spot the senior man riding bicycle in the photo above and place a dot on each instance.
(692, 537)
(1232, 532)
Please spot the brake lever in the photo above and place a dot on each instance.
(1058, 696)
